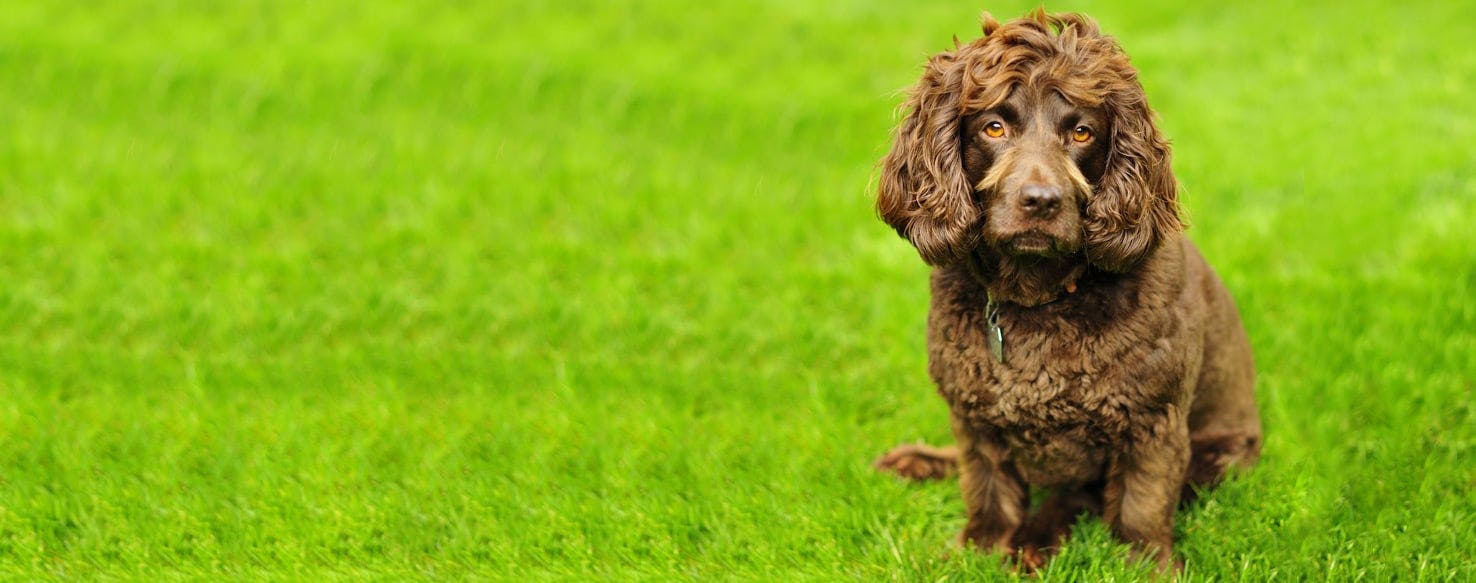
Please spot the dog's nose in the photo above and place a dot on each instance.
(1041, 200)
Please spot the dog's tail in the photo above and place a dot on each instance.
(919, 462)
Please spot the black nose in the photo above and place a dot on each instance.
(1040, 200)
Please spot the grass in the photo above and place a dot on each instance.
(595, 291)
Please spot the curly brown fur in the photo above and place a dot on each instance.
(1029, 170)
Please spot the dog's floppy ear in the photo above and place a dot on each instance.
(1136, 203)
(923, 192)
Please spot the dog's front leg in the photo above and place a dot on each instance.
(994, 495)
(1143, 483)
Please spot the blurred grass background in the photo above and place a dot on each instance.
(595, 290)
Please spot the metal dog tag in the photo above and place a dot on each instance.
(996, 342)
(996, 335)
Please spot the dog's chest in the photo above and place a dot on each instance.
(1053, 406)
(1049, 426)
(1049, 384)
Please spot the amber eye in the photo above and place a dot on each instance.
(994, 129)
(1081, 134)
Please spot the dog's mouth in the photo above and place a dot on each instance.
(1032, 243)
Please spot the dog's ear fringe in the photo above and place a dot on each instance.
(1136, 204)
(922, 191)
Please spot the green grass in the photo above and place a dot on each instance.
(595, 291)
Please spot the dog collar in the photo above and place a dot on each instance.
(991, 318)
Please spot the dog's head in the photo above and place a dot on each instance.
(1035, 139)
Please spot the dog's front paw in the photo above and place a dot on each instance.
(1029, 559)
(919, 462)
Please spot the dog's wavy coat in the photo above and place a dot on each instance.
(1081, 342)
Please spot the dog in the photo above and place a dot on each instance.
(1082, 343)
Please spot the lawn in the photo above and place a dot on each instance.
(595, 291)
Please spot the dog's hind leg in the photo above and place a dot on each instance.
(1214, 455)
(1224, 424)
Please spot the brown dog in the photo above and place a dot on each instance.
(1081, 342)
